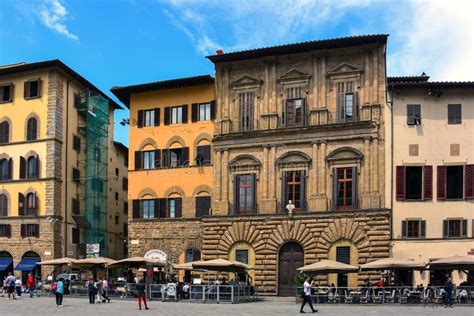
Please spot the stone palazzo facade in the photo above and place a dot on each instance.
(303, 122)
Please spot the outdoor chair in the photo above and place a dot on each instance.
(391, 298)
(378, 298)
(333, 298)
(365, 298)
(347, 298)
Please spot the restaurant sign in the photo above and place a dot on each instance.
(156, 254)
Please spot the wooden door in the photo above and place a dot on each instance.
(290, 258)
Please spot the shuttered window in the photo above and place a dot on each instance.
(32, 167)
(454, 114)
(203, 111)
(157, 208)
(175, 157)
(246, 111)
(203, 205)
(32, 89)
(5, 230)
(414, 229)
(6, 93)
(4, 132)
(147, 118)
(76, 175)
(3, 205)
(414, 183)
(75, 205)
(347, 102)
(76, 143)
(30, 230)
(455, 182)
(413, 114)
(6, 169)
(76, 236)
(454, 228)
(31, 129)
(203, 155)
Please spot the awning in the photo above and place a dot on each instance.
(4, 263)
(81, 220)
(27, 264)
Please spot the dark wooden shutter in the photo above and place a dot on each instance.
(236, 194)
(194, 112)
(303, 190)
(185, 156)
(428, 182)
(37, 230)
(464, 228)
(404, 229)
(163, 208)
(26, 91)
(445, 228)
(21, 204)
(284, 192)
(203, 204)
(334, 188)
(10, 168)
(410, 114)
(441, 183)
(213, 110)
(167, 116)
(423, 229)
(140, 118)
(22, 168)
(178, 204)
(185, 113)
(157, 158)
(165, 159)
(254, 193)
(37, 166)
(157, 117)
(469, 182)
(355, 105)
(23, 230)
(156, 211)
(355, 195)
(136, 208)
(9, 231)
(472, 229)
(138, 160)
(203, 155)
(400, 186)
(340, 107)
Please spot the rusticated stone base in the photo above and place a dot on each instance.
(368, 231)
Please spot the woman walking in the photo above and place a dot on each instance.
(31, 284)
(141, 294)
(59, 292)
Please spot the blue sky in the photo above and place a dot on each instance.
(122, 42)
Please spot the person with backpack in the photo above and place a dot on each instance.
(91, 290)
(59, 292)
(11, 279)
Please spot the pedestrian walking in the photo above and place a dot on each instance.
(31, 284)
(59, 292)
(104, 286)
(11, 286)
(91, 290)
(141, 294)
(307, 286)
(18, 287)
(448, 297)
(4, 286)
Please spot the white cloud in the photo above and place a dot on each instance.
(53, 14)
(436, 37)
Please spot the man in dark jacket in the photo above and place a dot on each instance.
(91, 290)
(448, 297)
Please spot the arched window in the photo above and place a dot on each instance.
(32, 167)
(192, 254)
(32, 129)
(3, 205)
(5, 170)
(4, 132)
(31, 204)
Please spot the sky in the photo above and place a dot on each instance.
(123, 42)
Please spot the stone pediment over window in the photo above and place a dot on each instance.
(294, 76)
(244, 163)
(345, 69)
(294, 159)
(345, 155)
(246, 82)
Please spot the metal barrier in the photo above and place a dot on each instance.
(389, 295)
(230, 294)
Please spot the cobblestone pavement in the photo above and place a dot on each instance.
(272, 306)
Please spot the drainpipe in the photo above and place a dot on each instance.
(66, 178)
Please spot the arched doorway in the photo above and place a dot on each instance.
(6, 264)
(28, 264)
(290, 258)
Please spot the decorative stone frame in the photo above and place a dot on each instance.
(38, 125)
(148, 141)
(9, 201)
(175, 190)
(175, 139)
(10, 127)
(147, 191)
(244, 163)
(345, 156)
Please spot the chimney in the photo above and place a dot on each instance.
(219, 52)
